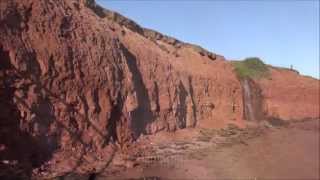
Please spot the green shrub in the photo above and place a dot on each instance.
(251, 68)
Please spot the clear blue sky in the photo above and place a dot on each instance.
(280, 32)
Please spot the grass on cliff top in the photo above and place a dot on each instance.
(251, 68)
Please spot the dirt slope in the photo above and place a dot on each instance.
(79, 83)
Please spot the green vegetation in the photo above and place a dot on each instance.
(251, 68)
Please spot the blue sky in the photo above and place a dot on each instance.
(279, 32)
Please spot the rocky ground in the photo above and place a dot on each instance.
(270, 150)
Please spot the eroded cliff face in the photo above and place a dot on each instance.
(290, 96)
(75, 83)
(66, 80)
(185, 88)
(79, 82)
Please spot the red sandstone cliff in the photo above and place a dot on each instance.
(76, 78)
(290, 96)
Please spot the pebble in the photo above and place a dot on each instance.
(5, 162)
